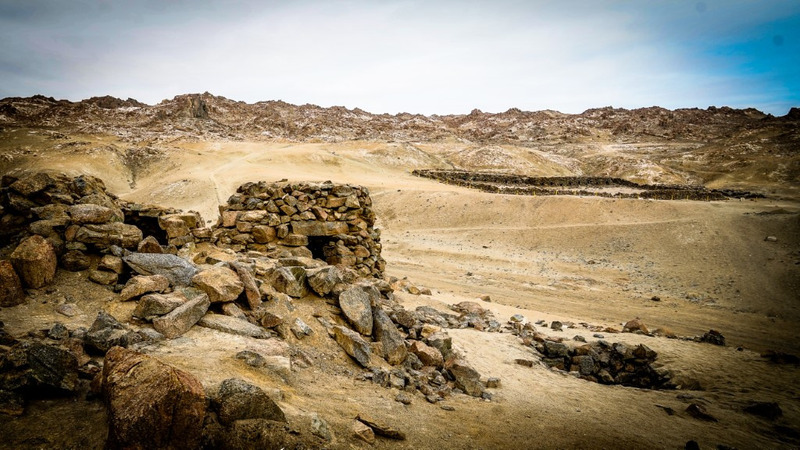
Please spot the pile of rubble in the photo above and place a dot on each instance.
(277, 243)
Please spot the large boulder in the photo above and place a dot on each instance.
(353, 344)
(239, 400)
(220, 283)
(143, 284)
(35, 261)
(151, 404)
(394, 347)
(11, 293)
(105, 235)
(355, 305)
(178, 271)
(180, 319)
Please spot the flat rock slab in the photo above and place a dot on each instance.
(154, 305)
(232, 325)
(143, 284)
(353, 344)
(178, 271)
(180, 319)
(355, 304)
(380, 428)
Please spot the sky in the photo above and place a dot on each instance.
(426, 56)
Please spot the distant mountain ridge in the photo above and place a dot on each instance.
(213, 116)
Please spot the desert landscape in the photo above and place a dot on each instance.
(557, 305)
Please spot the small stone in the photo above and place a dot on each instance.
(75, 261)
(467, 378)
(493, 383)
(68, 309)
(524, 362)
(111, 263)
(428, 355)
(141, 284)
(517, 318)
(771, 239)
(713, 337)
(149, 245)
(447, 407)
(252, 358)
(363, 432)
(579, 338)
(556, 325)
(403, 398)
(58, 331)
(103, 277)
(699, 412)
(485, 298)
(319, 427)
(301, 329)
(635, 325)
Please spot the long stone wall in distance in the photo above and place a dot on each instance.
(502, 183)
(327, 221)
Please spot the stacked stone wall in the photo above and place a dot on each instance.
(327, 221)
(501, 183)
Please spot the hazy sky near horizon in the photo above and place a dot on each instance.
(430, 57)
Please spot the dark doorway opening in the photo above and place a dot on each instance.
(321, 247)
(148, 225)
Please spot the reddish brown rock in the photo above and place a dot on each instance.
(11, 293)
(151, 404)
(635, 325)
(35, 261)
(220, 283)
(428, 355)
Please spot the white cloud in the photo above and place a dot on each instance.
(415, 56)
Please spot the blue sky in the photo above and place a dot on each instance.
(430, 57)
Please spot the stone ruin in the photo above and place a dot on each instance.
(273, 243)
(325, 221)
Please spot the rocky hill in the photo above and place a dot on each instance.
(716, 147)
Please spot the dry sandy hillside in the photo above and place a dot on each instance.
(590, 260)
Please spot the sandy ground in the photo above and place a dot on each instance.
(554, 258)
